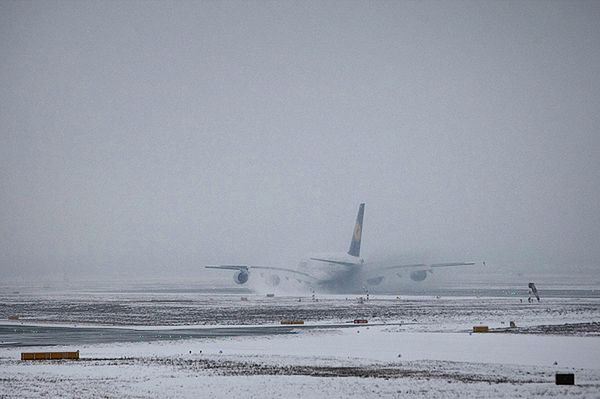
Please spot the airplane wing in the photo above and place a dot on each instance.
(297, 274)
(424, 266)
(375, 274)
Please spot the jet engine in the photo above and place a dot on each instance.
(274, 280)
(418, 275)
(375, 280)
(240, 277)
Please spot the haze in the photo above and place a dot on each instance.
(151, 138)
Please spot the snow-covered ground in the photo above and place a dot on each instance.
(366, 361)
(431, 354)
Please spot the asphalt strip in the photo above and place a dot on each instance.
(17, 335)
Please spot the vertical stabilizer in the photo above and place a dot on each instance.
(356, 236)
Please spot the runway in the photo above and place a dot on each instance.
(15, 335)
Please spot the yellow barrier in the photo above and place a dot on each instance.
(49, 355)
(480, 329)
(292, 321)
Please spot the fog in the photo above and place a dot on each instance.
(146, 139)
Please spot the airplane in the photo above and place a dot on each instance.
(337, 272)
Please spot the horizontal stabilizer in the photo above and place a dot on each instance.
(336, 262)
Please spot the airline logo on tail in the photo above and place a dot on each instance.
(357, 232)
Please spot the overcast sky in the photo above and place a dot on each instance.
(162, 136)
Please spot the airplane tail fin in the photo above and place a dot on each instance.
(356, 236)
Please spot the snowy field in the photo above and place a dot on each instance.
(421, 347)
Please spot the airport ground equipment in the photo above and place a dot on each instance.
(534, 290)
(565, 379)
(49, 355)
